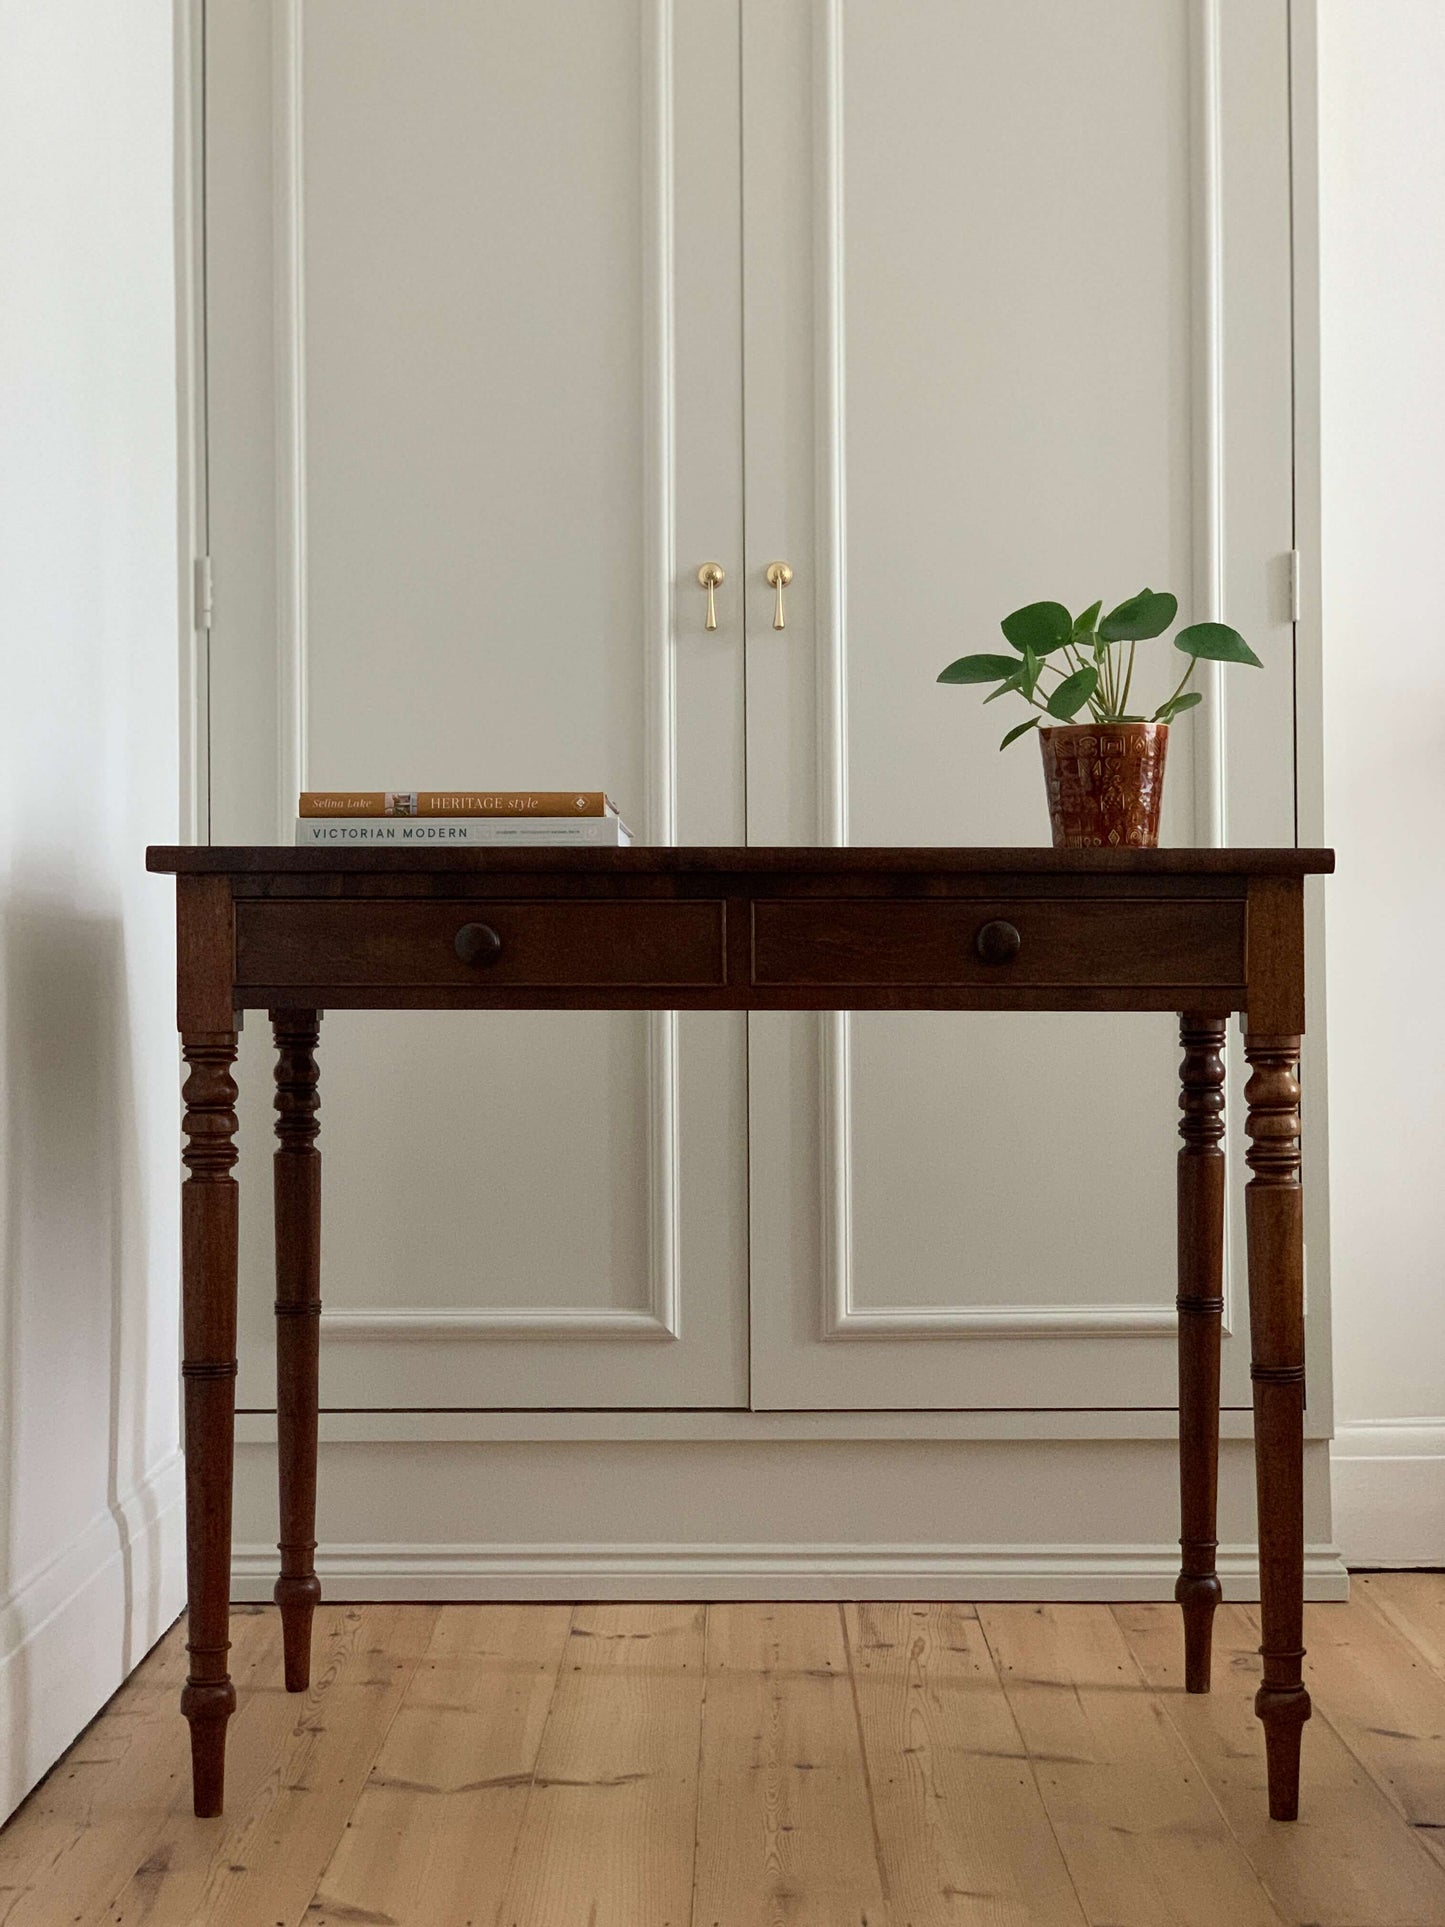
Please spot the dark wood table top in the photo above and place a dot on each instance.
(243, 859)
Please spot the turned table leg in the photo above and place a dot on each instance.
(1273, 1207)
(1201, 1309)
(298, 1317)
(208, 1283)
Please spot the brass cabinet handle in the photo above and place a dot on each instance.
(779, 576)
(710, 577)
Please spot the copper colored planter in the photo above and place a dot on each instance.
(1105, 782)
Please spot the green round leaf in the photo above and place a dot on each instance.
(1072, 693)
(1215, 642)
(1166, 712)
(1042, 626)
(1084, 624)
(1019, 729)
(1009, 688)
(1144, 615)
(981, 669)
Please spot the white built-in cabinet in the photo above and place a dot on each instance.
(517, 314)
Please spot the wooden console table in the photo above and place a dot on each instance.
(1201, 932)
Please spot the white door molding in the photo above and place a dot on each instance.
(874, 1571)
(283, 242)
(831, 423)
(842, 1315)
(288, 177)
(739, 1505)
(659, 1318)
(1207, 375)
(192, 526)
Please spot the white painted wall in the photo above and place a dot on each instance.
(1382, 75)
(90, 1529)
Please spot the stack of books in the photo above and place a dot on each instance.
(429, 819)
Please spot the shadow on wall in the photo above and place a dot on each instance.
(74, 1317)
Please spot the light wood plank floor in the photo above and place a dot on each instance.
(759, 1766)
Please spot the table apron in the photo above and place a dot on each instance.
(744, 952)
(1218, 1000)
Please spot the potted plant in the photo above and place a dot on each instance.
(1105, 776)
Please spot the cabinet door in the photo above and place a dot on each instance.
(474, 397)
(1018, 326)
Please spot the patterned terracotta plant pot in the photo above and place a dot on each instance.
(1105, 782)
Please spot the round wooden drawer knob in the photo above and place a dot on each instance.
(997, 943)
(478, 943)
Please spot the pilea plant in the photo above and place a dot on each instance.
(1089, 660)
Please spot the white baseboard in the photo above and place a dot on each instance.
(71, 1632)
(1042, 1572)
(1389, 1492)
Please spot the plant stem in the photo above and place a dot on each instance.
(1193, 665)
(1033, 700)
(1108, 683)
(1076, 663)
(1098, 702)
(1128, 680)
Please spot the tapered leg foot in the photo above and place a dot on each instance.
(1197, 1594)
(298, 1600)
(298, 1320)
(208, 1370)
(1284, 1711)
(208, 1705)
(1275, 1222)
(1201, 1307)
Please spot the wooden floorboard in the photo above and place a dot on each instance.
(99, 1811)
(786, 1829)
(434, 1834)
(1143, 1840)
(759, 1766)
(1350, 1858)
(1387, 1703)
(296, 1767)
(964, 1835)
(608, 1830)
(1414, 1603)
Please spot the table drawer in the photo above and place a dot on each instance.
(1080, 941)
(581, 945)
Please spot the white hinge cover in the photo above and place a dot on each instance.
(203, 591)
(1294, 585)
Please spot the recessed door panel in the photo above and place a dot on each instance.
(1025, 334)
(474, 410)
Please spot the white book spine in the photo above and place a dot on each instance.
(450, 832)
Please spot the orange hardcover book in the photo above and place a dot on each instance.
(455, 803)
